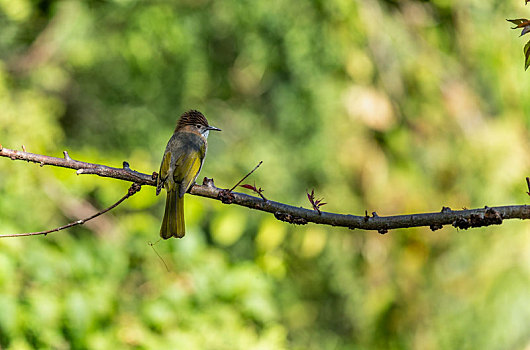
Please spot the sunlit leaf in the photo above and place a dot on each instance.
(519, 22)
(525, 24)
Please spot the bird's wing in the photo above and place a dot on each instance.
(163, 173)
(187, 168)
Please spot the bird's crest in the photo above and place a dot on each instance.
(192, 117)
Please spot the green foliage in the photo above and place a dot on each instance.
(387, 106)
(525, 24)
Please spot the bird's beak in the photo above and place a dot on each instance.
(213, 128)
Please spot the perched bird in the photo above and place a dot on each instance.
(180, 166)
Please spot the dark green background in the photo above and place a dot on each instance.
(388, 106)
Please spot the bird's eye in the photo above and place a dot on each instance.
(198, 126)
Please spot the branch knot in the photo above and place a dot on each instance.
(290, 218)
(490, 217)
(135, 187)
(226, 196)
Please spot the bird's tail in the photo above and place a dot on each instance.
(173, 222)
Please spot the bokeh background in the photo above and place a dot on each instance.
(388, 106)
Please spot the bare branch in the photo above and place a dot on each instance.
(462, 219)
(124, 173)
(458, 218)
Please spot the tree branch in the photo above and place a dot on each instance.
(124, 173)
(462, 219)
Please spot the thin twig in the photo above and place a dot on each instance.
(153, 246)
(240, 181)
(132, 190)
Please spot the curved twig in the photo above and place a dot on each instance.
(132, 190)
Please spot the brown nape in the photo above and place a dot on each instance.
(192, 117)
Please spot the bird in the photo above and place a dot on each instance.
(181, 164)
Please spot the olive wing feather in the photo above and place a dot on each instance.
(188, 166)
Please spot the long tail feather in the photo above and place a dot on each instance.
(180, 225)
(173, 222)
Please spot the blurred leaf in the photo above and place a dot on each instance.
(228, 227)
(270, 234)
